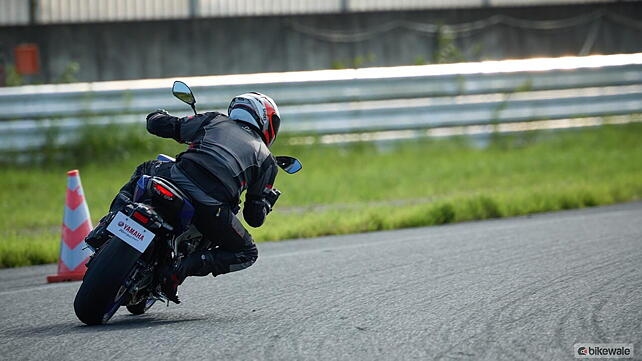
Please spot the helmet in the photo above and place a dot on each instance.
(259, 111)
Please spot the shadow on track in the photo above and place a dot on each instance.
(127, 322)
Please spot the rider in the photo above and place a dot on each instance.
(226, 156)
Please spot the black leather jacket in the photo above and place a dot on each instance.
(225, 158)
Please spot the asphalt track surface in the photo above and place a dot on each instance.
(521, 288)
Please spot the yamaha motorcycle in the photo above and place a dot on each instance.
(154, 231)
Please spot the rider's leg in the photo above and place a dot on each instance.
(236, 249)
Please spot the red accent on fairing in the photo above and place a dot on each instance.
(269, 186)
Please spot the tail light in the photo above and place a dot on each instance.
(166, 193)
(140, 217)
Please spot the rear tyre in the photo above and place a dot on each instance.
(101, 291)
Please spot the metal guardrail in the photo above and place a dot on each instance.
(334, 101)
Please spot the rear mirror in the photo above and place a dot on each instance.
(184, 93)
(289, 164)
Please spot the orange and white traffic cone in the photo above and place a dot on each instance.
(75, 227)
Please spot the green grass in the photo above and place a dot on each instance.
(24, 249)
(357, 188)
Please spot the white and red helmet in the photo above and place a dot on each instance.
(259, 111)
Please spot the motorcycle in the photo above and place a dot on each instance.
(154, 231)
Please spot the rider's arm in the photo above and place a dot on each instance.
(261, 195)
(183, 130)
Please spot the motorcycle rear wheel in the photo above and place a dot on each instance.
(101, 291)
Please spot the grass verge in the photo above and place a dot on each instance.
(362, 187)
(18, 249)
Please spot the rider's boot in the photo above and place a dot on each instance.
(196, 264)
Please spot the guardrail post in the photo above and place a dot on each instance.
(33, 12)
(193, 8)
(345, 5)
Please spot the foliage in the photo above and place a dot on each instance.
(70, 74)
(446, 50)
(357, 62)
(12, 77)
(356, 187)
